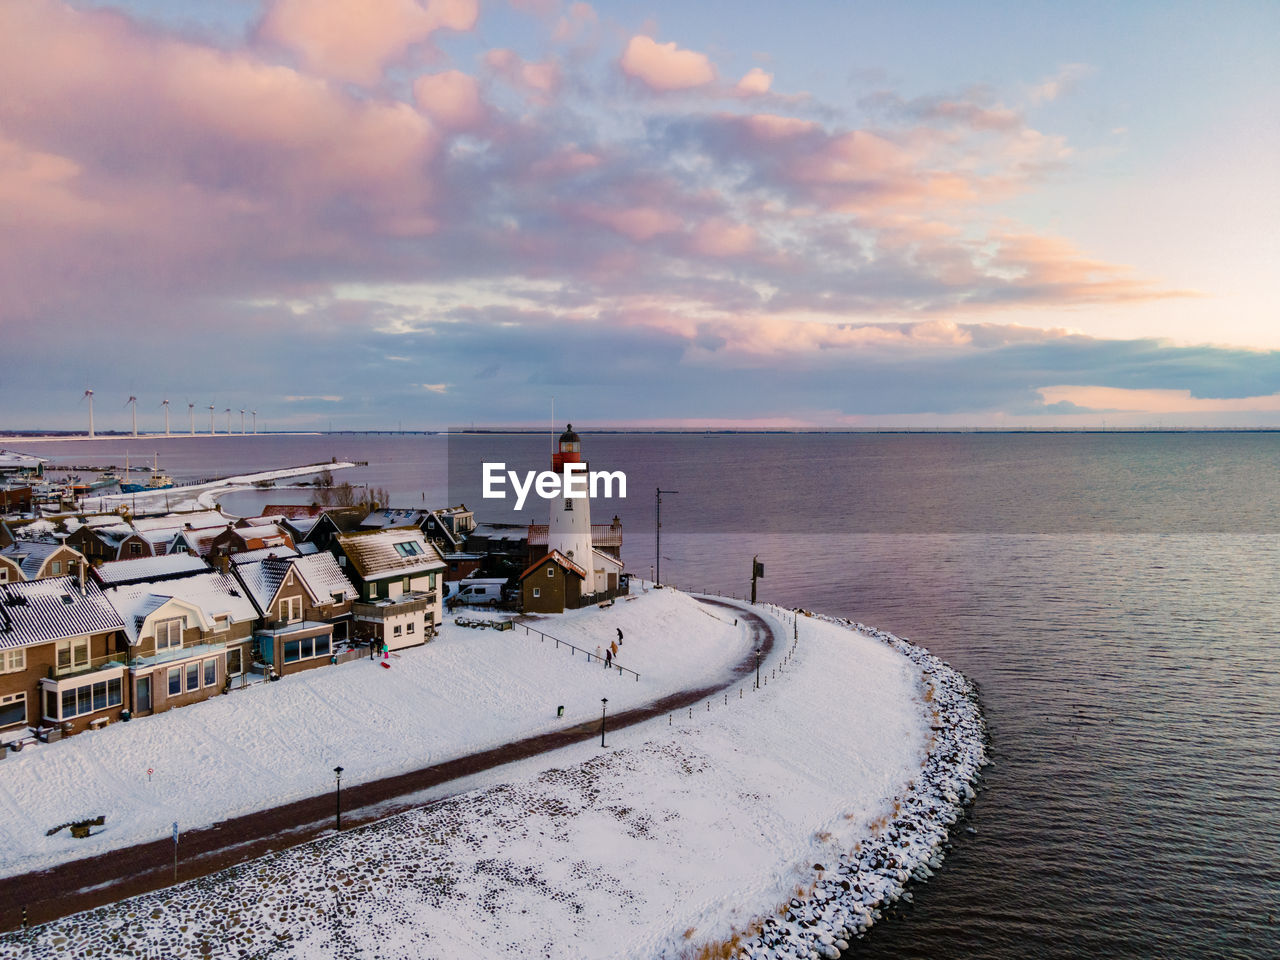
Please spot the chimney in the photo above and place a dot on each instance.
(81, 568)
(222, 562)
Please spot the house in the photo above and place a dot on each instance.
(381, 519)
(99, 537)
(333, 521)
(63, 656)
(552, 584)
(253, 537)
(305, 603)
(37, 560)
(459, 566)
(398, 574)
(149, 569)
(188, 638)
(15, 497)
(508, 541)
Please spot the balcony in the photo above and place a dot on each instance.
(76, 668)
(393, 607)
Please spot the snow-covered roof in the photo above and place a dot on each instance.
(599, 555)
(165, 566)
(12, 460)
(39, 611)
(308, 548)
(381, 519)
(253, 556)
(555, 556)
(30, 555)
(214, 593)
(319, 573)
(399, 551)
(183, 521)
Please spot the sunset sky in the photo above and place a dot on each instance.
(811, 214)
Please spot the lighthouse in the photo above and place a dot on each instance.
(569, 529)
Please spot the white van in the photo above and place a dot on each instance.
(487, 592)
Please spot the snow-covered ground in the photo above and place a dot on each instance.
(468, 690)
(766, 823)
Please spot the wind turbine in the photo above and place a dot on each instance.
(134, 401)
(88, 395)
(242, 421)
(212, 431)
(165, 404)
(255, 422)
(191, 412)
(228, 421)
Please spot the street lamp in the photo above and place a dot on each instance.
(757, 668)
(337, 814)
(603, 706)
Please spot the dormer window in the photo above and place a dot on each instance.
(291, 609)
(169, 634)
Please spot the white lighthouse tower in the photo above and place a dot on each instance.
(569, 529)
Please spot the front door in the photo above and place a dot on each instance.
(144, 695)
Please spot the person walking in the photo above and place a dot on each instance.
(614, 647)
(608, 659)
(619, 636)
(386, 651)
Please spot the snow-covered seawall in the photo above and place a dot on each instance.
(849, 895)
(771, 822)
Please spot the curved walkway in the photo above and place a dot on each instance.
(94, 881)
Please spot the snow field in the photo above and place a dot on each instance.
(271, 743)
(776, 824)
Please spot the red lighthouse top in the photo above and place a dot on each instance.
(569, 450)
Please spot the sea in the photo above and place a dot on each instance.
(1115, 596)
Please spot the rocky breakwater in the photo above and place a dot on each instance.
(907, 843)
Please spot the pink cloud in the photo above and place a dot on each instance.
(754, 82)
(721, 238)
(663, 68)
(451, 98)
(637, 223)
(355, 41)
(540, 80)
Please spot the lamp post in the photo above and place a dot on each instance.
(337, 813)
(757, 668)
(604, 701)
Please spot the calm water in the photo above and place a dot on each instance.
(1114, 596)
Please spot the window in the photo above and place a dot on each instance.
(537, 592)
(322, 645)
(73, 654)
(396, 632)
(551, 572)
(292, 651)
(220, 624)
(175, 681)
(88, 698)
(409, 549)
(135, 549)
(11, 661)
(234, 667)
(169, 634)
(307, 647)
(193, 676)
(291, 608)
(210, 673)
(4, 574)
(55, 568)
(13, 710)
(408, 628)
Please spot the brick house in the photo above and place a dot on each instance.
(305, 605)
(38, 560)
(189, 638)
(63, 656)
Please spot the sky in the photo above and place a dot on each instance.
(434, 213)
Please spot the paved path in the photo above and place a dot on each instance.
(95, 881)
